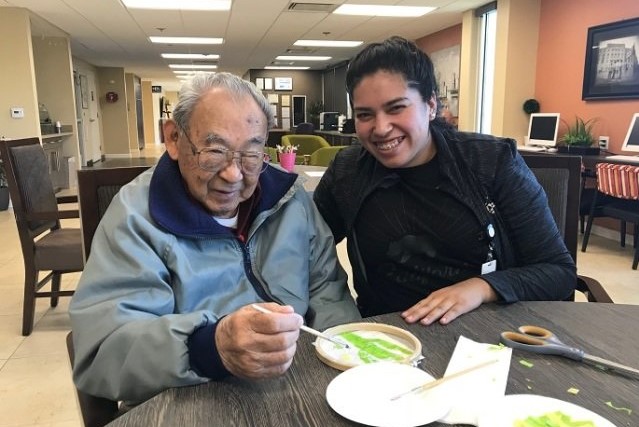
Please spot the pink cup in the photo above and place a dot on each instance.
(287, 161)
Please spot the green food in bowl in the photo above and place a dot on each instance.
(553, 419)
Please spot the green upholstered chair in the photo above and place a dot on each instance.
(306, 144)
(325, 155)
(272, 154)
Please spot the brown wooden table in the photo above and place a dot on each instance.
(298, 397)
(589, 161)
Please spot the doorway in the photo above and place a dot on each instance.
(88, 117)
(299, 109)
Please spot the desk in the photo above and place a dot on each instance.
(333, 137)
(588, 161)
(298, 397)
(337, 138)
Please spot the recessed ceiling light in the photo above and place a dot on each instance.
(328, 43)
(273, 67)
(193, 66)
(187, 40)
(375, 10)
(190, 56)
(302, 58)
(188, 76)
(178, 5)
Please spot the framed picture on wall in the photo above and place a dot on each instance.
(611, 70)
(283, 83)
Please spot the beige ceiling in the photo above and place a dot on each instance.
(105, 33)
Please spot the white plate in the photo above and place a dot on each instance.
(363, 394)
(519, 406)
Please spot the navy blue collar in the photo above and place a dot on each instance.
(172, 207)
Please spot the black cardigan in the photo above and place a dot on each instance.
(488, 175)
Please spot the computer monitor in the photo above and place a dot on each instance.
(328, 120)
(631, 143)
(542, 129)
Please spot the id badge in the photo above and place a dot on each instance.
(489, 266)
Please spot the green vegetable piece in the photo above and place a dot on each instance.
(526, 363)
(619, 408)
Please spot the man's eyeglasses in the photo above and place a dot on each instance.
(213, 159)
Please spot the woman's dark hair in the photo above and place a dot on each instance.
(396, 55)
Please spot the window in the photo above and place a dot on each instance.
(488, 38)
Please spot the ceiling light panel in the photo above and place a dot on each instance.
(193, 66)
(273, 67)
(190, 73)
(187, 40)
(328, 43)
(178, 5)
(302, 58)
(200, 56)
(377, 10)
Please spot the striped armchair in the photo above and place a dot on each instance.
(619, 186)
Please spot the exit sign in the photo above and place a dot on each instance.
(156, 89)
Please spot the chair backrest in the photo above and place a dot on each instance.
(305, 128)
(306, 144)
(560, 177)
(96, 188)
(325, 155)
(620, 181)
(30, 187)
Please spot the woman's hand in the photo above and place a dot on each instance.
(449, 303)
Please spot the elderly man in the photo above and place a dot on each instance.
(184, 250)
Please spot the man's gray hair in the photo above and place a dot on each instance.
(200, 83)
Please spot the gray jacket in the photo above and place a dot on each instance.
(162, 271)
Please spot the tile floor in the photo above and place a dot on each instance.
(35, 378)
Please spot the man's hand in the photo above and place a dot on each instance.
(256, 345)
(449, 303)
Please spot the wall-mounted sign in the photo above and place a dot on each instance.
(283, 83)
(156, 89)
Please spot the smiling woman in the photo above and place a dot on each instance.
(442, 198)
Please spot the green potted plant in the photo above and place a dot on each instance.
(578, 138)
(4, 189)
(314, 110)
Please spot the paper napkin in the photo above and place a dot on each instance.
(472, 392)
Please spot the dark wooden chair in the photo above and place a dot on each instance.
(560, 177)
(46, 246)
(618, 185)
(585, 205)
(96, 188)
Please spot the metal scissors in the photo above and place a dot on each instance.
(540, 340)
